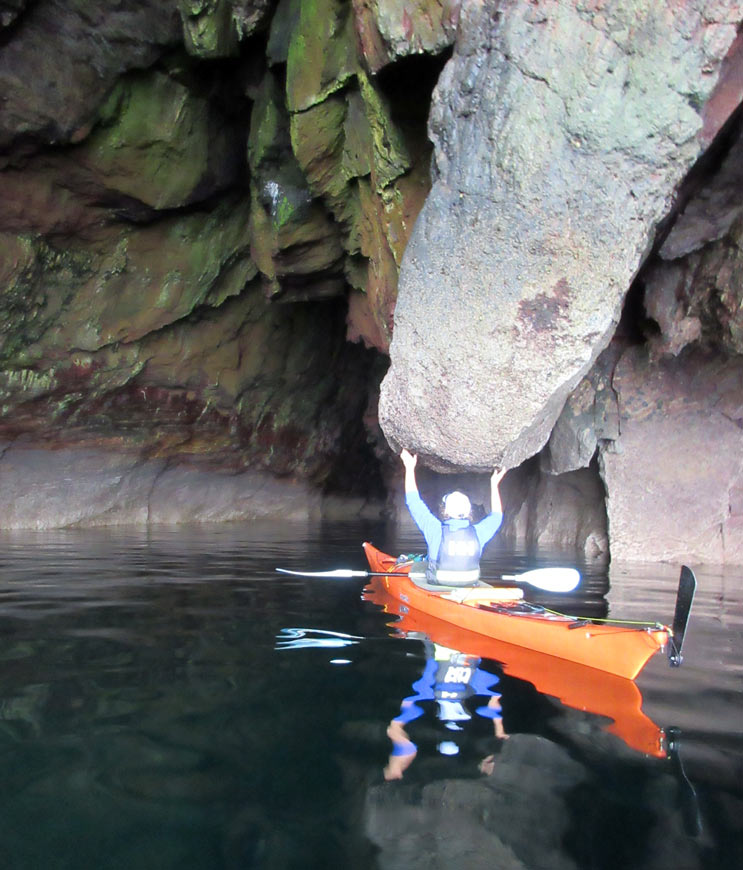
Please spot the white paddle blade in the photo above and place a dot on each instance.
(549, 579)
(338, 572)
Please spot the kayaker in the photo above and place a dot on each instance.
(455, 543)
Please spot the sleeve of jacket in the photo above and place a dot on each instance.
(429, 524)
(487, 527)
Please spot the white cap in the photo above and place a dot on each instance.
(457, 505)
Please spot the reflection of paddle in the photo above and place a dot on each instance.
(549, 579)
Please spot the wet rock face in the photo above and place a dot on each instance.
(662, 405)
(62, 57)
(561, 132)
(678, 459)
(190, 191)
(214, 28)
(693, 288)
(389, 29)
(680, 397)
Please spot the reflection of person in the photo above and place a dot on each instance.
(449, 678)
(454, 545)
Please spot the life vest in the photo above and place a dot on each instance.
(458, 561)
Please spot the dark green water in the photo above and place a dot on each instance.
(160, 708)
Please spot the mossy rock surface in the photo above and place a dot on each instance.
(159, 142)
(321, 55)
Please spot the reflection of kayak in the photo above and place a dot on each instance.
(574, 685)
(621, 650)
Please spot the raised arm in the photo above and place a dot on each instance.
(495, 502)
(409, 461)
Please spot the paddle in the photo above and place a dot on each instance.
(548, 579)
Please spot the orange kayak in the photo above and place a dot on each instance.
(612, 649)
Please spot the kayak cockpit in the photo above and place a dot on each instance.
(473, 595)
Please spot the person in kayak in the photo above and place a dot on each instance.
(455, 544)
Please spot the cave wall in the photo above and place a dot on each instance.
(662, 407)
(206, 205)
(204, 208)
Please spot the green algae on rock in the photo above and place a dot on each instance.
(321, 53)
(158, 142)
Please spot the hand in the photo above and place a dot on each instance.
(498, 475)
(408, 459)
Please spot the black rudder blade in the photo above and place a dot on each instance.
(684, 600)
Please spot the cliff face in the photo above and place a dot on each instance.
(205, 207)
(191, 194)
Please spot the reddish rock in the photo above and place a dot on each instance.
(728, 92)
(674, 475)
(390, 29)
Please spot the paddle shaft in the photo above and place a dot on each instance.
(544, 579)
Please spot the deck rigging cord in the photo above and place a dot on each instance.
(639, 623)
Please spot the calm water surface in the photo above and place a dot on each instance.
(169, 701)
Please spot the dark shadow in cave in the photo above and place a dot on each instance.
(408, 85)
(359, 468)
(635, 326)
(700, 175)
